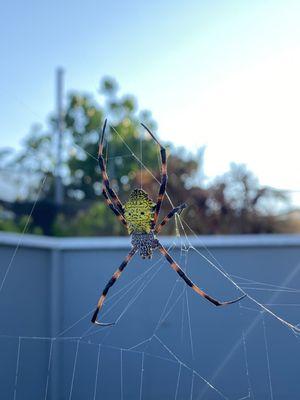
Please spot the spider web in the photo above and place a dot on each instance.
(167, 343)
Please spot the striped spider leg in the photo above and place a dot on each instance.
(106, 184)
(177, 210)
(140, 215)
(188, 281)
(164, 178)
(110, 283)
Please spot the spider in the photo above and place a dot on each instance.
(140, 216)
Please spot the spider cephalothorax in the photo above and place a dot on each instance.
(140, 216)
(139, 212)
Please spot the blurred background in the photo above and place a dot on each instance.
(217, 82)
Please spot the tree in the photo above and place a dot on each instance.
(239, 204)
(83, 120)
(233, 203)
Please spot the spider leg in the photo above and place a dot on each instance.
(164, 177)
(187, 280)
(110, 283)
(115, 199)
(176, 210)
(112, 207)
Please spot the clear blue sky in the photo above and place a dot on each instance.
(221, 73)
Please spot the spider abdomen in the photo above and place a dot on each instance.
(145, 243)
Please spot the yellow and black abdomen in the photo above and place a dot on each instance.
(139, 211)
(145, 243)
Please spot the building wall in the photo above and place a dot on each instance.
(50, 350)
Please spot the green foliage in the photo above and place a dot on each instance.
(96, 221)
(10, 223)
(232, 203)
(9, 226)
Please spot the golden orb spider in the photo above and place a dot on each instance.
(140, 215)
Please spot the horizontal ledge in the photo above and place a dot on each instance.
(107, 242)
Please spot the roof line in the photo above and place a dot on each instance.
(107, 242)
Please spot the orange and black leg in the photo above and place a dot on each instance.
(115, 199)
(112, 207)
(164, 178)
(110, 283)
(176, 210)
(187, 280)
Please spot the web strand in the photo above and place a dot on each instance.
(74, 370)
(218, 268)
(141, 348)
(22, 234)
(97, 371)
(17, 368)
(49, 369)
(268, 358)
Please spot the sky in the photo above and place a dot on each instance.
(219, 74)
